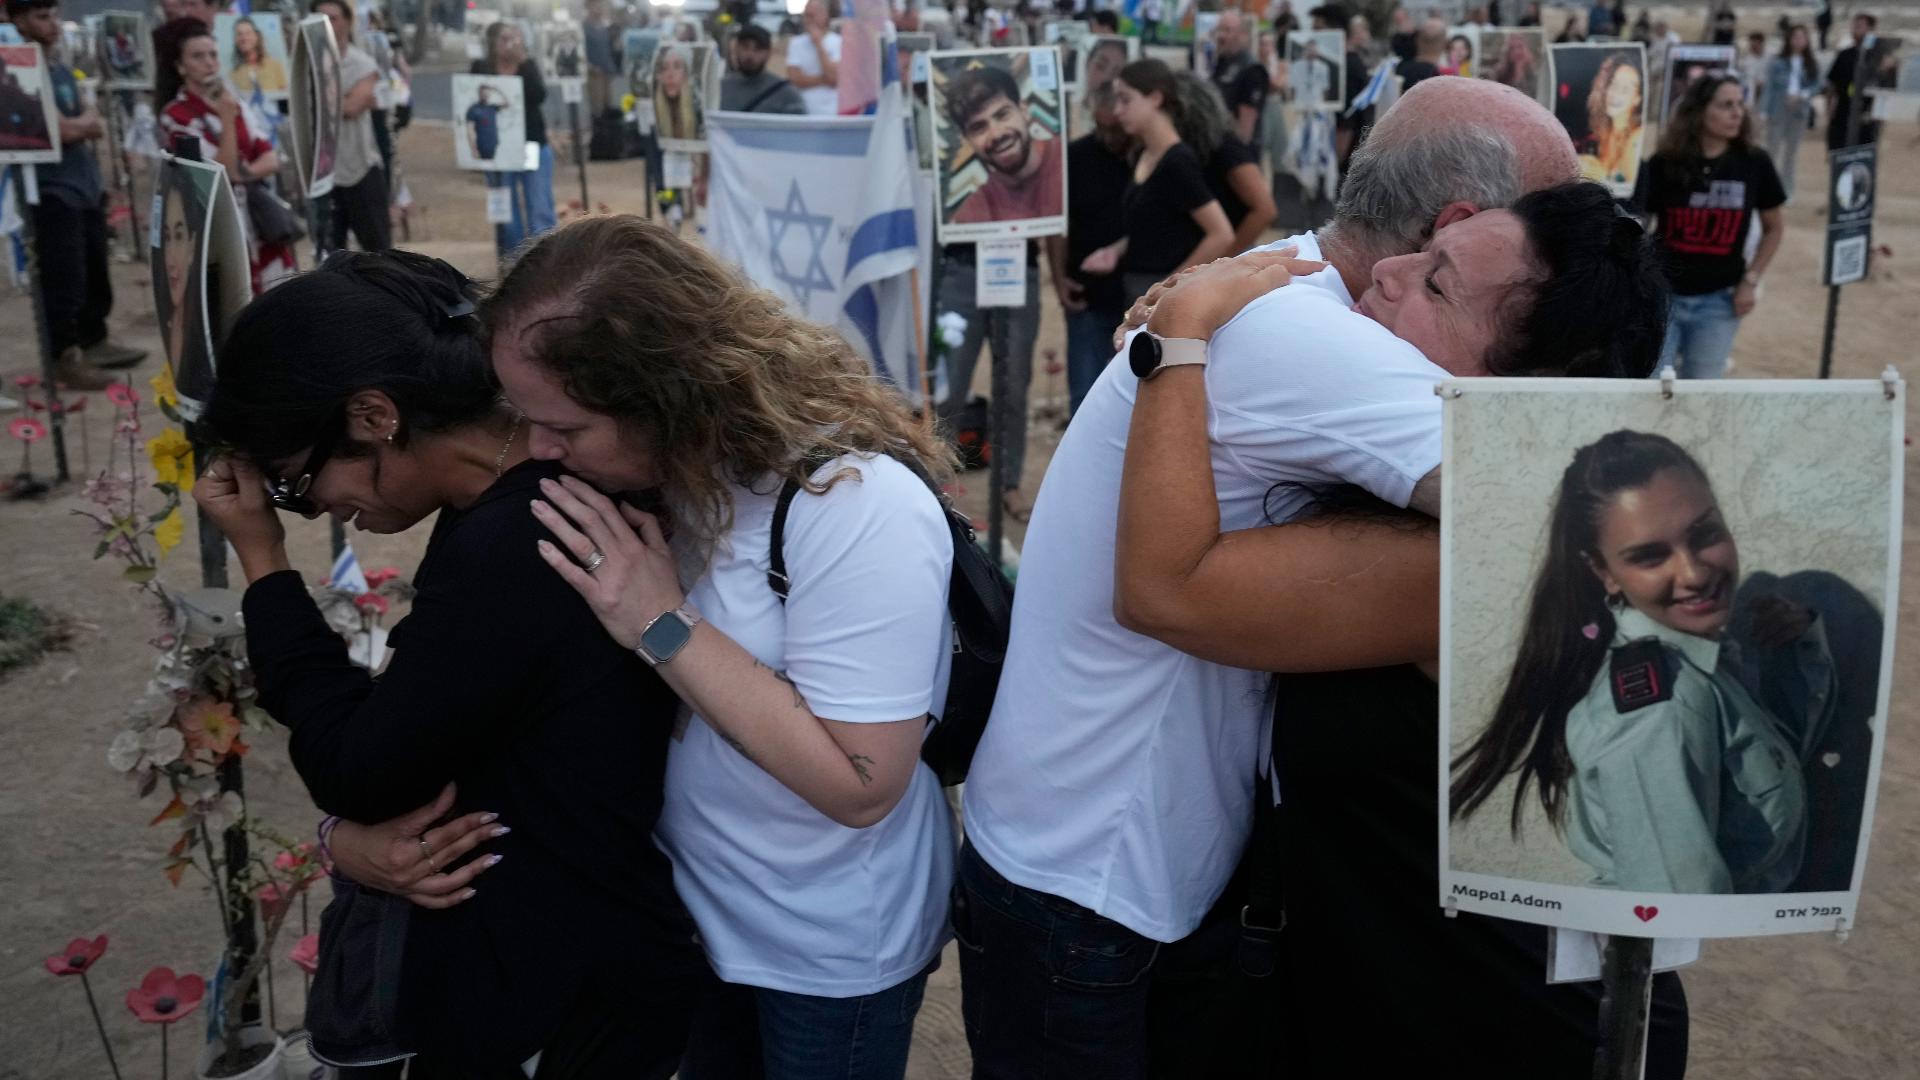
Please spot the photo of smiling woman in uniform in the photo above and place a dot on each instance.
(1665, 719)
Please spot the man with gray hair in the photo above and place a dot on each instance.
(1241, 81)
(1112, 794)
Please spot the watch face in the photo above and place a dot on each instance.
(666, 636)
(1143, 354)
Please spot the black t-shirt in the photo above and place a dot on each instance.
(1368, 949)
(1159, 214)
(1240, 82)
(1097, 182)
(1228, 156)
(1414, 72)
(1704, 209)
(1403, 45)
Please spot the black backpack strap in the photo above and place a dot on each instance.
(1265, 913)
(777, 543)
(758, 100)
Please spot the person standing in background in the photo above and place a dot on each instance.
(1823, 21)
(813, 61)
(1241, 82)
(1787, 105)
(1098, 172)
(1844, 80)
(70, 223)
(1430, 46)
(1723, 26)
(1401, 41)
(359, 181)
(531, 191)
(1703, 187)
(1232, 166)
(1753, 65)
(750, 87)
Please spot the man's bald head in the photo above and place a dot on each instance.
(1448, 148)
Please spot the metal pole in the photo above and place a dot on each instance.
(1862, 82)
(56, 411)
(999, 327)
(1626, 980)
(1826, 339)
(579, 154)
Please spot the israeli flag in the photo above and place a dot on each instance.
(1376, 86)
(821, 211)
(346, 572)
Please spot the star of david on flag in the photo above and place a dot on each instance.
(827, 213)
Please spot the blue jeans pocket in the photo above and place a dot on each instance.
(1102, 958)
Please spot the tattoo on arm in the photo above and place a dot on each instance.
(739, 747)
(860, 763)
(799, 702)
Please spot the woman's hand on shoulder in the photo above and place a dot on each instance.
(407, 855)
(1199, 300)
(620, 562)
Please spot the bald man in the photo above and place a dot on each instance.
(1112, 794)
(1241, 81)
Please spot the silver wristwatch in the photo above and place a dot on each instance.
(666, 635)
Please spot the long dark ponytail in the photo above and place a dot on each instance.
(1568, 630)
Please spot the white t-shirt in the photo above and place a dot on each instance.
(784, 897)
(1118, 772)
(802, 56)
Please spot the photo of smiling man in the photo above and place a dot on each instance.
(1000, 146)
(1667, 689)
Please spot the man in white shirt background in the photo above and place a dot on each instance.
(1112, 794)
(813, 61)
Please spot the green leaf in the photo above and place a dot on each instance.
(155, 519)
(140, 575)
(101, 549)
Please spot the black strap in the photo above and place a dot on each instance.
(760, 98)
(1265, 914)
(777, 542)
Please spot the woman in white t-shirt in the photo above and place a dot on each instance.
(811, 845)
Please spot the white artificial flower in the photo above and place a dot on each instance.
(124, 752)
(163, 745)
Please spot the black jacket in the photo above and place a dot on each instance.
(502, 681)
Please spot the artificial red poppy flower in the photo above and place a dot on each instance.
(377, 578)
(306, 954)
(79, 955)
(161, 998)
(78, 404)
(26, 382)
(371, 603)
(26, 429)
(123, 395)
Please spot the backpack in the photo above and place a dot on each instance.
(980, 601)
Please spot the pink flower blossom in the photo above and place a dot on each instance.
(161, 998)
(79, 955)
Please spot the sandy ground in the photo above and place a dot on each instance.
(76, 857)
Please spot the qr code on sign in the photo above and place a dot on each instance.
(1849, 259)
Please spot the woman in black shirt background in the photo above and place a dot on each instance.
(1703, 187)
(1231, 165)
(363, 390)
(1173, 218)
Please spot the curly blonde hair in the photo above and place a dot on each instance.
(724, 382)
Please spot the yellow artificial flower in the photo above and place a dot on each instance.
(163, 391)
(167, 533)
(172, 458)
(626, 103)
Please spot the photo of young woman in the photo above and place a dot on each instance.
(679, 107)
(254, 52)
(178, 265)
(1601, 101)
(1674, 703)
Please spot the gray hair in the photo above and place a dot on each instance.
(1202, 118)
(1395, 187)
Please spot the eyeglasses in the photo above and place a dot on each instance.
(291, 495)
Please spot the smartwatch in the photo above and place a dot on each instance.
(1150, 353)
(666, 635)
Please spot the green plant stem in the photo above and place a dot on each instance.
(98, 1026)
(213, 877)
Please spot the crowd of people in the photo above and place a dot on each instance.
(644, 770)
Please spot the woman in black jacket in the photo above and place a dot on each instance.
(363, 390)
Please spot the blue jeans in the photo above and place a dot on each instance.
(535, 190)
(750, 1032)
(1089, 347)
(1700, 333)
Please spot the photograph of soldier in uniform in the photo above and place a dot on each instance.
(126, 51)
(28, 119)
(1000, 143)
(1682, 671)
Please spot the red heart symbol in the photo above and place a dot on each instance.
(1645, 914)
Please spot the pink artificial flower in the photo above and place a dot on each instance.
(123, 395)
(306, 954)
(79, 955)
(26, 429)
(162, 998)
(78, 404)
(27, 381)
(377, 578)
(371, 603)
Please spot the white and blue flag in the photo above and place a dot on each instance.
(347, 573)
(822, 211)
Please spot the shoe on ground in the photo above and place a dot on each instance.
(108, 353)
(73, 371)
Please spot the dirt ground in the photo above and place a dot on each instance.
(77, 858)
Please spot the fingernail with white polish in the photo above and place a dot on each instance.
(502, 831)
(494, 860)
(488, 819)
(468, 895)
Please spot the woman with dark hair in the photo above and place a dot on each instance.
(1793, 77)
(199, 105)
(1232, 165)
(810, 644)
(1703, 188)
(532, 190)
(362, 390)
(1354, 584)
(254, 68)
(1610, 152)
(1173, 218)
(1640, 728)
(177, 290)
(1458, 59)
